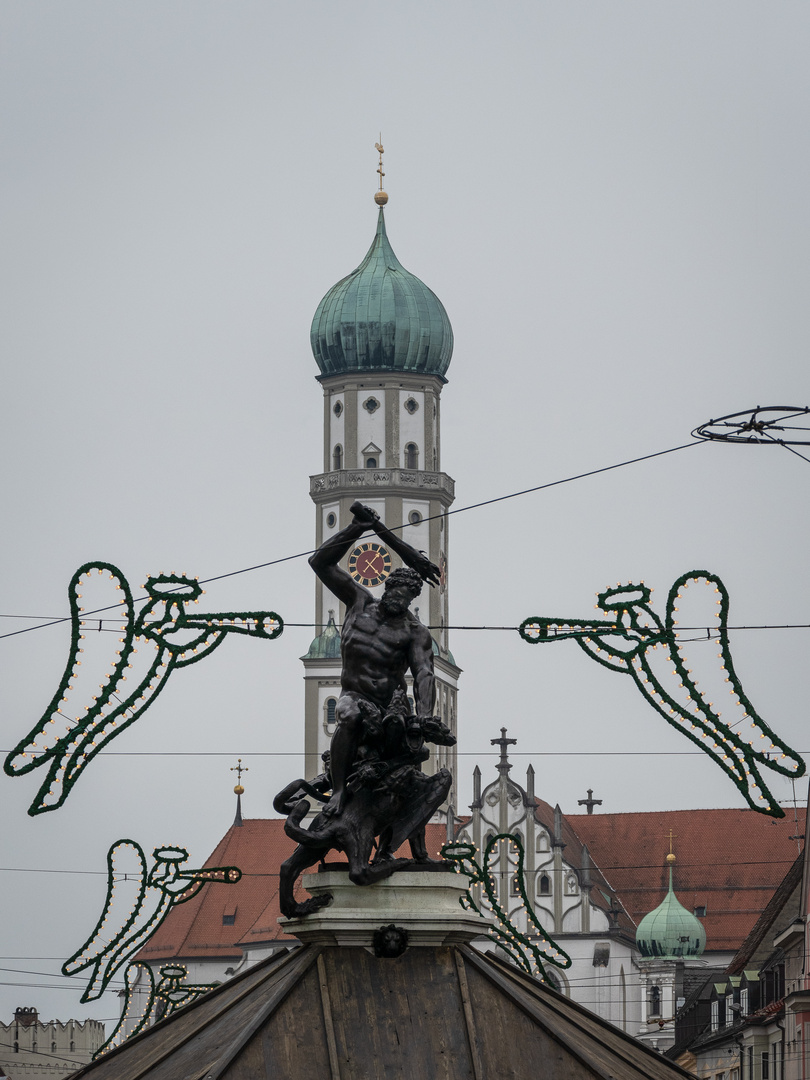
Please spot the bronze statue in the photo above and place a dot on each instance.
(378, 791)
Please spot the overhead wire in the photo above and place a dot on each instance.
(398, 528)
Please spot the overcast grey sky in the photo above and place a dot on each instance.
(610, 200)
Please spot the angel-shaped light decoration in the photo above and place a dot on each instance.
(530, 953)
(80, 720)
(660, 658)
(138, 900)
(145, 1003)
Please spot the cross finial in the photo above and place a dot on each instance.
(590, 802)
(239, 768)
(503, 742)
(380, 197)
(238, 791)
(672, 836)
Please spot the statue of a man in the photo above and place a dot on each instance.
(380, 641)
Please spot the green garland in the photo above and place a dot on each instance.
(529, 953)
(180, 638)
(168, 883)
(173, 992)
(625, 643)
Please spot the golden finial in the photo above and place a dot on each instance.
(671, 857)
(380, 197)
(239, 768)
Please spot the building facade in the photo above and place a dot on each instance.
(32, 1047)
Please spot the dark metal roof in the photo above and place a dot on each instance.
(344, 1014)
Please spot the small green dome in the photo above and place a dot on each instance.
(670, 931)
(325, 646)
(381, 318)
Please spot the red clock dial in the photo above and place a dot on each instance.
(370, 564)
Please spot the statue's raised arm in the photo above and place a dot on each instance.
(417, 560)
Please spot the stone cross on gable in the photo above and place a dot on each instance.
(590, 802)
(503, 765)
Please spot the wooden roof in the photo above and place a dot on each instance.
(446, 1013)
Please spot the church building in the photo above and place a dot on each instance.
(382, 342)
(640, 928)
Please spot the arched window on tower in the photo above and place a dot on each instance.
(544, 885)
(329, 719)
(337, 457)
(654, 1001)
(411, 456)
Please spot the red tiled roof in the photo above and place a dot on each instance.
(194, 930)
(729, 861)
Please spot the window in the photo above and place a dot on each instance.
(411, 405)
(371, 463)
(330, 719)
(331, 521)
(744, 1009)
(337, 408)
(228, 920)
(654, 1001)
(729, 1009)
(515, 885)
(414, 517)
(371, 404)
(53, 1046)
(337, 457)
(715, 1024)
(411, 456)
(766, 1065)
(544, 885)
(700, 911)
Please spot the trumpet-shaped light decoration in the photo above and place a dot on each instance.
(171, 638)
(529, 952)
(137, 903)
(626, 641)
(145, 1002)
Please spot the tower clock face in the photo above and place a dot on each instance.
(369, 564)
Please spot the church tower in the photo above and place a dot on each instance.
(382, 342)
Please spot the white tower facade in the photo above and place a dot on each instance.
(382, 341)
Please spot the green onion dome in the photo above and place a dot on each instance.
(325, 646)
(381, 318)
(670, 931)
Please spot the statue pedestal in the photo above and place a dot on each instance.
(425, 904)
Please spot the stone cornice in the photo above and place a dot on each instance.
(403, 482)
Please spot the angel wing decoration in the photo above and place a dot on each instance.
(530, 953)
(138, 900)
(661, 660)
(146, 1003)
(112, 677)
